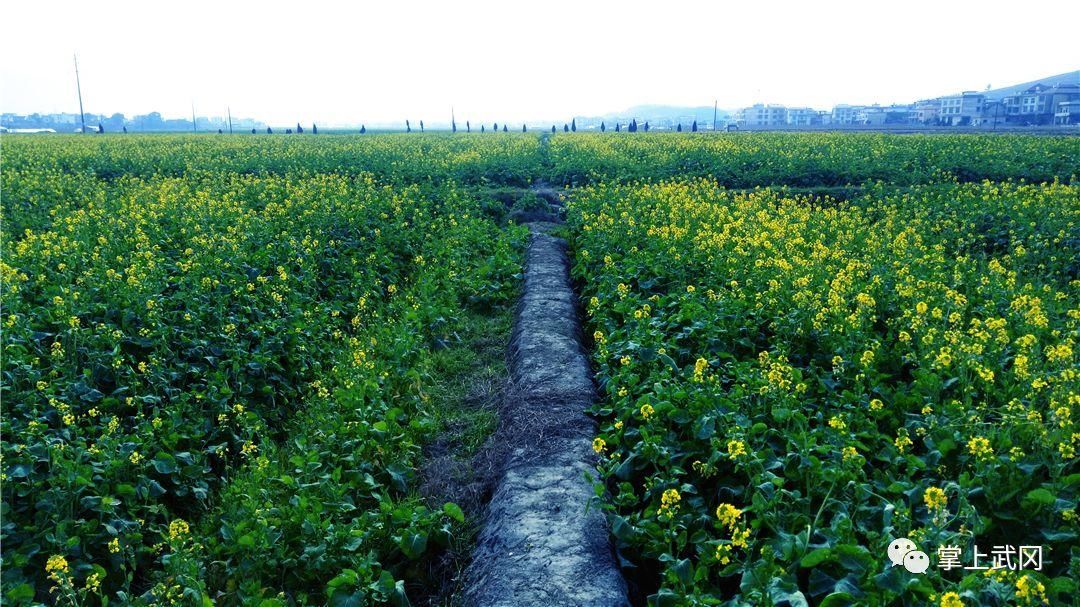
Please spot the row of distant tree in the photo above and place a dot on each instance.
(631, 127)
(117, 122)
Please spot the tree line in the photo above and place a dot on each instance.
(631, 127)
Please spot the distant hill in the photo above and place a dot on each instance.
(1066, 78)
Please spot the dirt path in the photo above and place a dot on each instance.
(541, 545)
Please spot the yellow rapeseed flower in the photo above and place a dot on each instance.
(728, 514)
(740, 537)
(1030, 591)
(178, 529)
(669, 502)
(980, 448)
(56, 567)
(935, 498)
(736, 448)
(951, 599)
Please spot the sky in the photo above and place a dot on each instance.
(367, 62)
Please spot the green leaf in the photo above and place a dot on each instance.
(684, 570)
(815, 558)
(399, 476)
(164, 463)
(621, 529)
(22, 592)
(398, 598)
(413, 543)
(454, 511)
(347, 599)
(1040, 496)
(625, 470)
(837, 599)
(347, 577)
(853, 557)
(665, 598)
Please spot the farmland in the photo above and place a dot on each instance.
(226, 358)
(213, 375)
(793, 383)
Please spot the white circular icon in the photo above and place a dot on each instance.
(898, 548)
(916, 561)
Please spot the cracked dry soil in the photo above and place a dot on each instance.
(541, 544)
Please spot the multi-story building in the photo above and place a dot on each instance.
(1040, 103)
(890, 114)
(802, 116)
(1067, 112)
(993, 114)
(847, 114)
(926, 111)
(961, 109)
(759, 115)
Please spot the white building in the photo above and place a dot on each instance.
(961, 109)
(759, 115)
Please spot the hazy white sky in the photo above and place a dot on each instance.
(510, 61)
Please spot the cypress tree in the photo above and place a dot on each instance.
(408, 127)
(299, 129)
(573, 124)
(421, 126)
(553, 128)
(565, 128)
(678, 129)
(646, 126)
(602, 127)
(314, 129)
(100, 128)
(616, 127)
(495, 127)
(523, 129)
(363, 129)
(453, 126)
(693, 127)
(481, 128)
(269, 131)
(468, 127)
(504, 128)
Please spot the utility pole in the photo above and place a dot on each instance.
(714, 114)
(78, 87)
(194, 125)
(228, 112)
